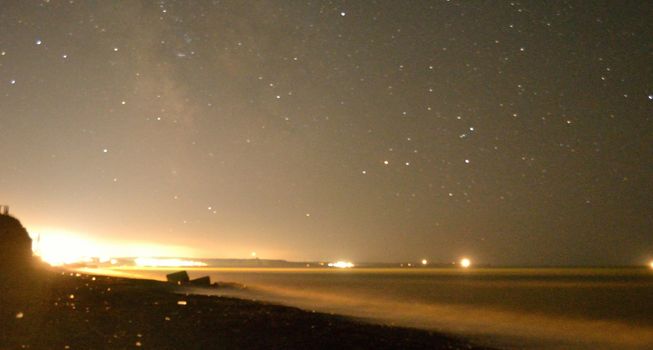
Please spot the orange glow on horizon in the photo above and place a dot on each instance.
(341, 264)
(60, 247)
(153, 262)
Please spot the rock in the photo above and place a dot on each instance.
(178, 277)
(202, 281)
(15, 243)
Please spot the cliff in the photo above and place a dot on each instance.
(15, 243)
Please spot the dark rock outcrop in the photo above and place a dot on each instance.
(15, 243)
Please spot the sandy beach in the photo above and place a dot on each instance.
(63, 310)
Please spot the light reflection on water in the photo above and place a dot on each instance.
(543, 308)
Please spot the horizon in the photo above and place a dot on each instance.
(189, 261)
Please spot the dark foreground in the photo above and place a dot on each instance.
(62, 311)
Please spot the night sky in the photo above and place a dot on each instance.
(509, 132)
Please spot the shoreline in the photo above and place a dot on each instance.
(77, 311)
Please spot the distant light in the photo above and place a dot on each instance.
(464, 262)
(424, 262)
(343, 14)
(153, 262)
(38, 42)
(650, 264)
(341, 264)
(181, 302)
(254, 254)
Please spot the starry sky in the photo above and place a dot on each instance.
(515, 133)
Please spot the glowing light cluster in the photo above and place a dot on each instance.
(465, 263)
(60, 247)
(341, 264)
(153, 262)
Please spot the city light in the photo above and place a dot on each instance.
(60, 247)
(153, 262)
(341, 264)
(424, 262)
(464, 262)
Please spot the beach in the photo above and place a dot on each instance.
(68, 310)
(541, 308)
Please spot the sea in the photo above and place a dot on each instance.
(509, 308)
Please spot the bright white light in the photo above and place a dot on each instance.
(59, 247)
(153, 262)
(341, 264)
(464, 262)
(651, 264)
(424, 262)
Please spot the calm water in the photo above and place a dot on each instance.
(513, 308)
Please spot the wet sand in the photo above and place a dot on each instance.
(60, 310)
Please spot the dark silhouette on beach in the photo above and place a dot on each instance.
(15, 244)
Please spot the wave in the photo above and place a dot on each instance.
(488, 325)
